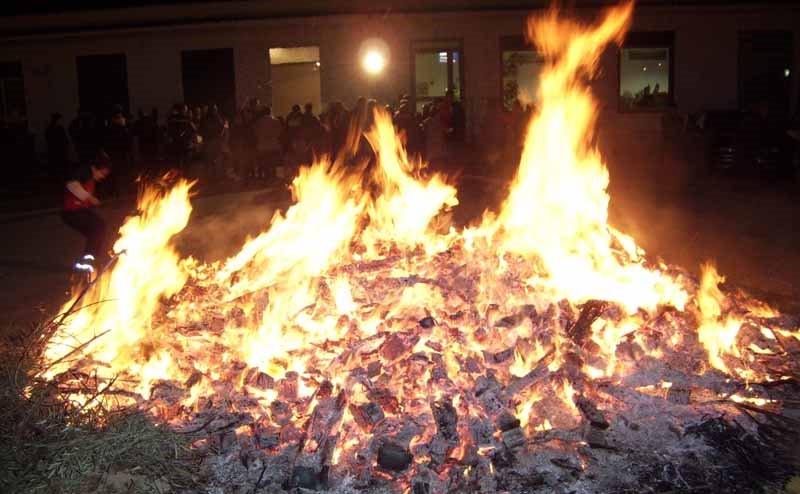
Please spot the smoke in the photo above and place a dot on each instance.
(221, 224)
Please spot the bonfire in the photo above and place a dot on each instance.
(363, 344)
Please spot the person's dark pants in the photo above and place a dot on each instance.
(91, 226)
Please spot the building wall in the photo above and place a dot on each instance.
(294, 84)
(705, 72)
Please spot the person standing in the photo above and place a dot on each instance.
(311, 130)
(148, 134)
(268, 130)
(118, 145)
(77, 213)
(212, 128)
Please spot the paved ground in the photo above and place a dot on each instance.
(748, 226)
(38, 248)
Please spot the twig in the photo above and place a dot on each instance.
(258, 485)
(198, 429)
(98, 393)
(76, 349)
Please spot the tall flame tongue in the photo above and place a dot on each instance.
(121, 305)
(557, 209)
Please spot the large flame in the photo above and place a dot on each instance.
(122, 304)
(557, 208)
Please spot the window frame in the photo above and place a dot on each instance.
(648, 39)
(511, 43)
(437, 45)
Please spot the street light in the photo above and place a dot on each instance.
(373, 54)
(373, 62)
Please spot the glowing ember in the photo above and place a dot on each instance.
(363, 336)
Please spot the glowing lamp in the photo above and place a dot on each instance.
(373, 62)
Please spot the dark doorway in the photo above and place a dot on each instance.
(12, 91)
(765, 70)
(208, 79)
(103, 83)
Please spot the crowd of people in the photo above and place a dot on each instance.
(252, 144)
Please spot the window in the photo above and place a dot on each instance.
(437, 68)
(12, 91)
(102, 83)
(646, 71)
(520, 68)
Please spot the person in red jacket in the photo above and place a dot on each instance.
(77, 213)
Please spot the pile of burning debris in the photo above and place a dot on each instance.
(435, 402)
(359, 345)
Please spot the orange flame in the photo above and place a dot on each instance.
(557, 209)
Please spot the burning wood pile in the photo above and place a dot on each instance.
(361, 344)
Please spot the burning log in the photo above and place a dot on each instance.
(392, 456)
(280, 412)
(679, 395)
(193, 379)
(532, 377)
(287, 387)
(596, 437)
(446, 419)
(590, 311)
(567, 464)
(374, 369)
(499, 357)
(591, 413)
(397, 345)
(506, 422)
(514, 439)
(482, 431)
(427, 322)
(385, 399)
(790, 344)
(258, 379)
(367, 415)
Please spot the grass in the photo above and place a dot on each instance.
(49, 444)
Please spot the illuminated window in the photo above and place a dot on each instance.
(646, 71)
(437, 68)
(520, 67)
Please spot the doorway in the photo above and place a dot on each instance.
(209, 79)
(102, 83)
(294, 78)
(765, 70)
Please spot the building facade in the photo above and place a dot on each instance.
(686, 55)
